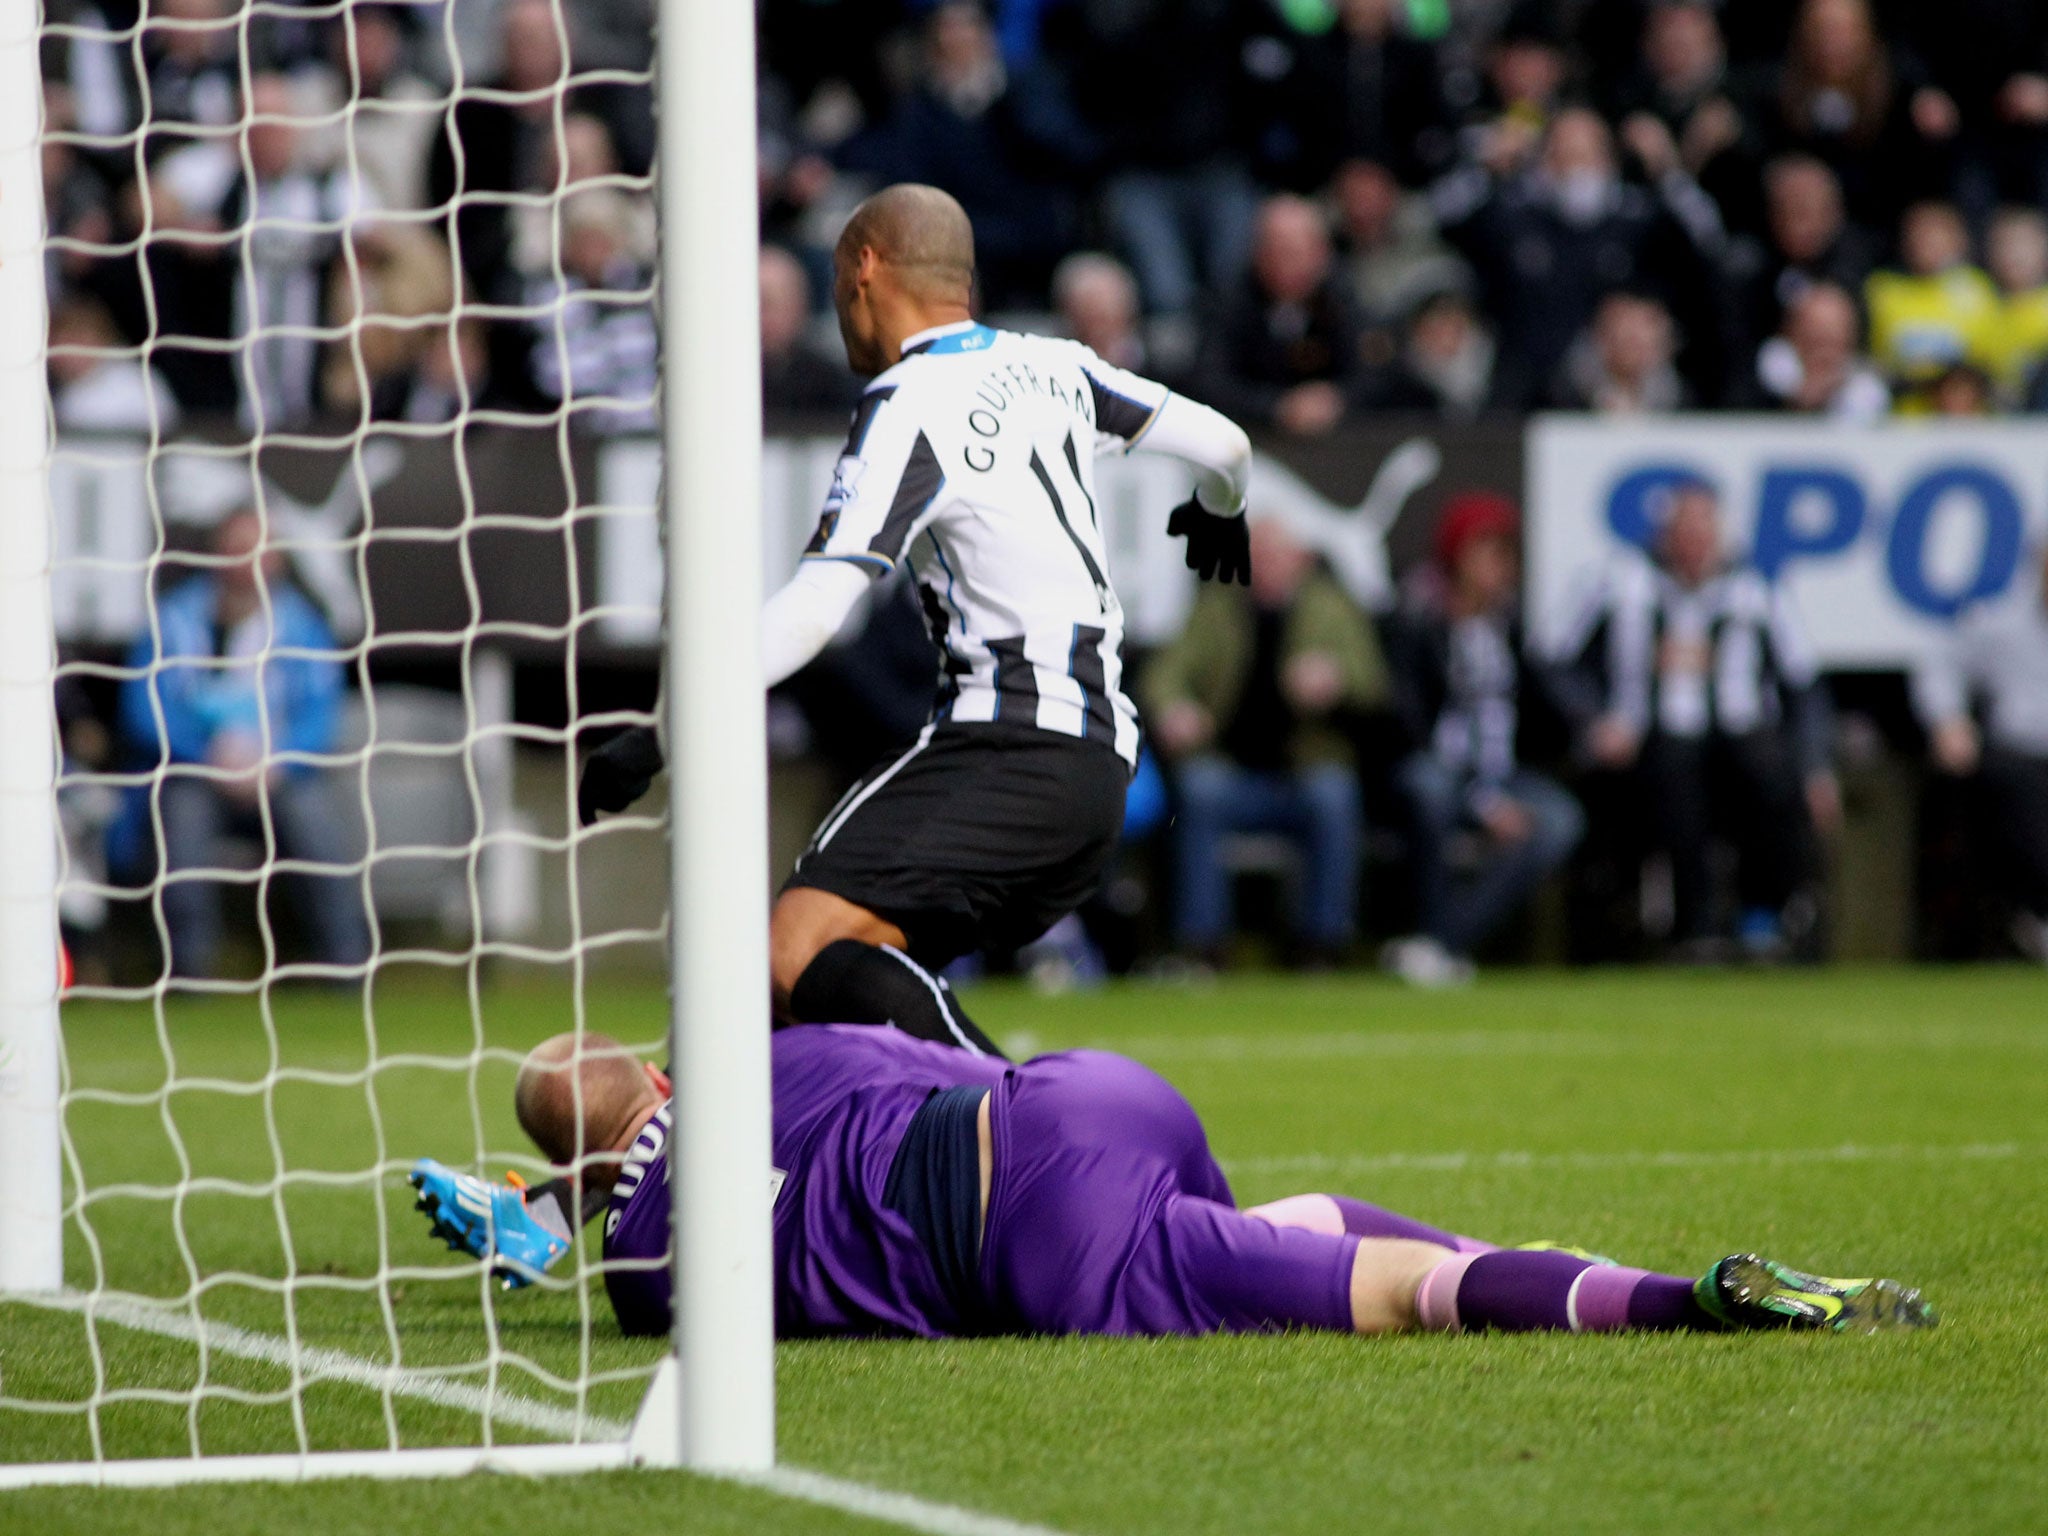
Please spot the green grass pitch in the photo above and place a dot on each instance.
(1863, 1121)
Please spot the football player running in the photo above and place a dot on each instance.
(971, 461)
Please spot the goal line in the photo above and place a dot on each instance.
(599, 1444)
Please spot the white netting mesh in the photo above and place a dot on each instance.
(344, 301)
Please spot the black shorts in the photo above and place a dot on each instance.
(979, 836)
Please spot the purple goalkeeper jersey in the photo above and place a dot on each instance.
(1107, 1212)
(844, 1262)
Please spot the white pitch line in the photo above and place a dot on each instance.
(906, 1510)
(1361, 1042)
(1341, 1043)
(318, 1364)
(333, 1365)
(1464, 1162)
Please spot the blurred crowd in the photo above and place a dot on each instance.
(1410, 784)
(1298, 210)
(1671, 767)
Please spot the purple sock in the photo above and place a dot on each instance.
(1365, 1220)
(1664, 1303)
(1517, 1292)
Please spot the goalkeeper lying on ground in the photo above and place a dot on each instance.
(930, 1192)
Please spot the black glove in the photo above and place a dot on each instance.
(1219, 548)
(618, 773)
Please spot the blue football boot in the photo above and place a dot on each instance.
(491, 1222)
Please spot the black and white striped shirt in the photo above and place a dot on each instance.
(973, 459)
(1729, 656)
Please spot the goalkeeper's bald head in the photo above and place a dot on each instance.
(579, 1096)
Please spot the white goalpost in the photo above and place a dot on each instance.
(717, 737)
(31, 1183)
(709, 1403)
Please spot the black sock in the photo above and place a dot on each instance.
(848, 982)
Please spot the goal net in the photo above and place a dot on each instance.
(303, 627)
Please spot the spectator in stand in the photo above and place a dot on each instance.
(1938, 312)
(1285, 351)
(1845, 96)
(616, 37)
(1526, 70)
(1447, 361)
(582, 157)
(1759, 32)
(1462, 680)
(95, 385)
(1807, 240)
(1161, 83)
(1005, 148)
(1963, 393)
(185, 76)
(1251, 706)
(1622, 366)
(248, 224)
(387, 117)
(1392, 253)
(1710, 689)
(1683, 83)
(77, 202)
(247, 682)
(827, 49)
(796, 373)
(1363, 89)
(1991, 56)
(1813, 366)
(1692, 254)
(1549, 243)
(497, 145)
(797, 182)
(452, 379)
(613, 34)
(1096, 299)
(1998, 654)
(2016, 343)
(594, 342)
(395, 304)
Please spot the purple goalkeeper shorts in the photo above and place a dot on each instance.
(1107, 1214)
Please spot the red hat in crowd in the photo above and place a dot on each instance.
(1473, 515)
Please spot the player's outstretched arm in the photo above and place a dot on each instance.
(800, 620)
(1212, 520)
(1214, 444)
(796, 623)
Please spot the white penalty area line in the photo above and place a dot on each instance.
(509, 1408)
(1471, 1162)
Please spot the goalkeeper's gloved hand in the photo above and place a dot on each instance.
(492, 1222)
(618, 773)
(1219, 548)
